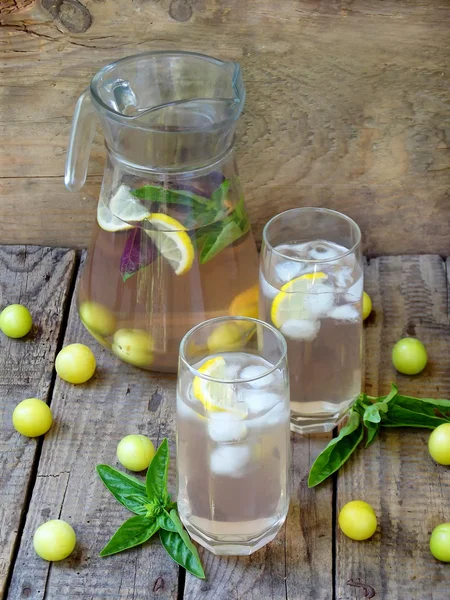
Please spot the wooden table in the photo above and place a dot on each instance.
(310, 559)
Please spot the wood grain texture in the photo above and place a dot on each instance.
(56, 213)
(409, 493)
(298, 563)
(347, 107)
(90, 420)
(40, 279)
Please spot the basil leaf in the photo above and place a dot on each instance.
(220, 234)
(338, 450)
(180, 553)
(372, 432)
(392, 394)
(157, 193)
(165, 522)
(133, 532)
(215, 244)
(220, 193)
(139, 252)
(127, 490)
(399, 416)
(428, 406)
(372, 413)
(156, 481)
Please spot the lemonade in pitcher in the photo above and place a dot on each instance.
(168, 270)
(172, 245)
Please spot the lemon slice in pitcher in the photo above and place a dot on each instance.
(214, 395)
(123, 207)
(172, 241)
(245, 304)
(290, 302)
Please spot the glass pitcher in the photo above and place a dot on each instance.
(172, 245)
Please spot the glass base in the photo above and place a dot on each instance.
(320, 422)
(225, 544)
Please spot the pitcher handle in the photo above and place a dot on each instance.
(80, 142)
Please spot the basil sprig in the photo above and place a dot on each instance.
(216, 226)
(154, 510)
(365, 419)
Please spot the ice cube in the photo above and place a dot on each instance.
(258, 401)
(356, 290)
(229, 460)
(226, 430)
(256, 371)
(232, 370)
(319, 300)
(300, 329)
(268, 291)
(343, 277)
(322, 251)
(288, 270)
(278, 414)
(345, 312)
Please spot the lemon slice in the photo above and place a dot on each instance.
(214, 395)
(172, 241)
(290, 302)
(123, 207)
(245, 304)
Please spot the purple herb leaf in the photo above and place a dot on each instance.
(138, 253)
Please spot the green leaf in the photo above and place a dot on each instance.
(165, 522)
(214, 238)
(372, 432)
(157, 193)
(127, 490)
(156, 481)
(215, 244)
(182, 554)
(133, 532)
(372, 414)
(398, 416)
(392, 394)
(338, 450)
(220, 193)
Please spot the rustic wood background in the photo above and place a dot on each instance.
(348, 107)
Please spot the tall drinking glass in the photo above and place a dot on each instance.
(311, 284)
(233, 434)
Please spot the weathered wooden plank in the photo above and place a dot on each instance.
(409, 493)
(53, 212)
(298, 563)
(360, 127)
(39, 278)
(90, 419)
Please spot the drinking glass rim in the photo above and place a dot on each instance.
(197, 373)
(319, 210)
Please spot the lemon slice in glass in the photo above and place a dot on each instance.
(123, 207)
(172, 241)
(290, 302)
(214, 395)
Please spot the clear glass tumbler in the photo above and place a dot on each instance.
(311, 285)
(233, 434)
